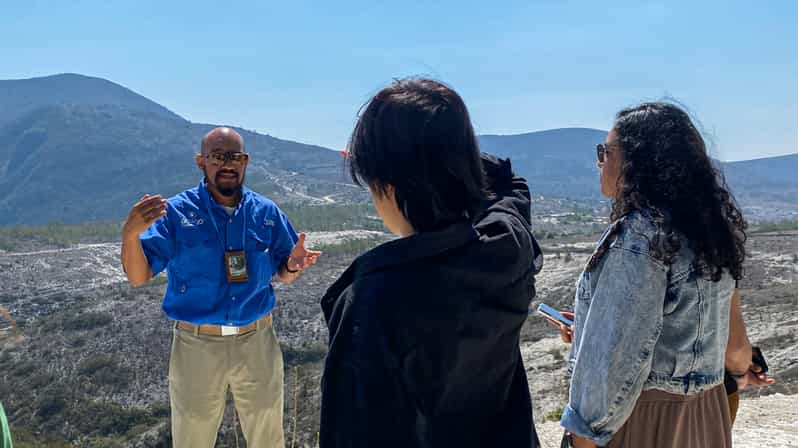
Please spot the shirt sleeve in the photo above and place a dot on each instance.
(283, 240)
(621, 328)
(158, 243)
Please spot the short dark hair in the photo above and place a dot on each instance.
(666, 170)
(416, 135)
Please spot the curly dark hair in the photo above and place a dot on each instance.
(667, 174)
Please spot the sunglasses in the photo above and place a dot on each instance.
(235, 158)
(601, 152)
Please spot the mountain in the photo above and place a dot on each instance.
(773, 179)
(562, 162)
(19, 97)
(77, 149)
(557, 162)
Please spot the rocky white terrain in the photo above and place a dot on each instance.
(92, 366)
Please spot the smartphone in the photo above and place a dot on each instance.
(551, 313)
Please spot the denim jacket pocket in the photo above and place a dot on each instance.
(583, 287)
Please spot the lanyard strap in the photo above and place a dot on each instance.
(216, 227)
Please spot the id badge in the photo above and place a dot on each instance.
(236, 266)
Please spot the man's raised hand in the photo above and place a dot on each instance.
(144, 212)
(301, 257)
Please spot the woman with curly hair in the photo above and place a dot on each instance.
(653, 303)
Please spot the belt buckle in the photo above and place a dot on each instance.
(229, 331)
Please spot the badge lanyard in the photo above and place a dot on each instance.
(235, 262)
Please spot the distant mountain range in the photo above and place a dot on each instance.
(557, 162)
(78, 149)
(562, 162)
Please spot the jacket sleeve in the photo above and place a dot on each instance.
(507, 191)
(620, 330)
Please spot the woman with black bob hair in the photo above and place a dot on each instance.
(653, 303)
(414, 141)
(424, 329)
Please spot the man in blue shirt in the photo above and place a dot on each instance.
(220, 244)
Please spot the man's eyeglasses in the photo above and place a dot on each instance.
(601, 152)
(220, 158)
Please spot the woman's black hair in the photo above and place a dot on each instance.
(416, 136)
(666, 171)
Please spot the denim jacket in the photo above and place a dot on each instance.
(641, 324)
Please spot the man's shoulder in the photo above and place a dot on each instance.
(260, 202)
(186, 198)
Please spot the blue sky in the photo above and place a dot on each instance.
(300, 70)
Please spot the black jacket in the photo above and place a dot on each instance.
(424, 331)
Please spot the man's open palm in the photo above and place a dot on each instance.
(301, 257)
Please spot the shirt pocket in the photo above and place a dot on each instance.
(259, 261)
(199, 255)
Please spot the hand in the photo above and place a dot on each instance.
(145, 212)
(566, 332)
(300, 258)
(754, 377)
(581, 442)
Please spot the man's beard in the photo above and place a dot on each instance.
(227, 191)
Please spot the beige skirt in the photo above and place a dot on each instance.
(663, 420)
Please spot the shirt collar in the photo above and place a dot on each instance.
(206, 195)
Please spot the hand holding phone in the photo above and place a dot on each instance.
(554, 316)
(562, 320)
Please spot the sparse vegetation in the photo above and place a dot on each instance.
(76, 321)
(556, 353)
(352, 247)
(108, 418)
(555, 415)
(333, 217)
(58, 235)
(24, 438)
(98, 378)
(88, 321)
(50, 404)
(783, 226)
(104, 370)
(308, 354)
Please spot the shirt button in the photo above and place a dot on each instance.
(183, 288)
(230, 221)
(234, 297)
(229, 247)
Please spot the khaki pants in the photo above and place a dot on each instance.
(201, 368)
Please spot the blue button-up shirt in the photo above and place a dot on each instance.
(186, 244)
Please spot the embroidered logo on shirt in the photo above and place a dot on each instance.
(191, 220)
(268, 223)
